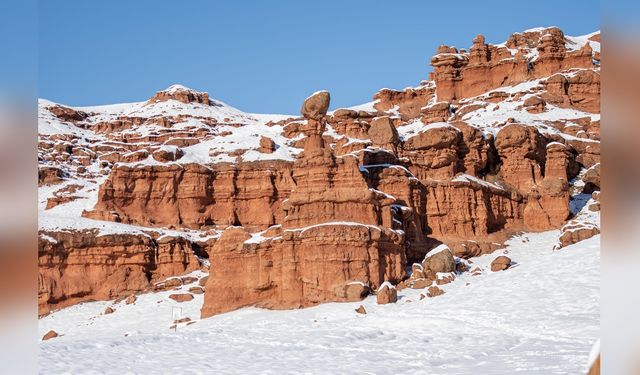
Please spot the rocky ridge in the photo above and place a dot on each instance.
(293, 211)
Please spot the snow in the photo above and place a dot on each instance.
(491, 117)
(386, 284)
(367, 107)
(469, 178)
(541, 317)
(316, 93)
(577, 42)
(416, 127)
(334, 223)
(595, 352)
(177, 87)
(438, 249)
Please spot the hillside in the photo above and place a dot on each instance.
(415, 193)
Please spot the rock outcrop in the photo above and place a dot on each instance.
(330, 206)
(525, 56)
(181, 94)
(337, 239)
(195, 196)
(81, 265)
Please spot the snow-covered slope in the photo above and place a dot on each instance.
(539, 317)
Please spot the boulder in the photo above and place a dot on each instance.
(387, 293)
(181, 297)
(109, 310)
(316, 106)
(440, 259)
(267, 145)
(345, 113)
(434, 291)
(131, 299)
(575, 232)
(196, 290)
(420, 283)
(382, 132)
(168, 284)
(534, 104)
(188, 280)
(356, 291)
(361, 310)
(501, 263)
(49, 335)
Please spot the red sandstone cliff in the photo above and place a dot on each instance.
(328, 206)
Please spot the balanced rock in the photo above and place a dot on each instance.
(316, 106)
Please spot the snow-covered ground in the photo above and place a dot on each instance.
(539, 317)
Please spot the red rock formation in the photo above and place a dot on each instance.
(409, 101)
(77, 266)
(49, 175)
(194, 195)
(522, 150)
(433, 152)
(354, 207)
(469, 209)
(459, 75)
(575, 231)
(579, 90)
(267, 145)
(336, 240)
(181, 94)
(438, 112)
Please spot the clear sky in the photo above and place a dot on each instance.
(267, 56)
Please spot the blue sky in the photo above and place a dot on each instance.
(267, 56)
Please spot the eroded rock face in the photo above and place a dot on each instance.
(290, 271)
(433, 152)
(409, 102)
(81, 265)
(383, 133)
(381, 188)
(194, 196)
(181, 94)
(580, 90)
(521, 149)
(540, 53)
(331, 208)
